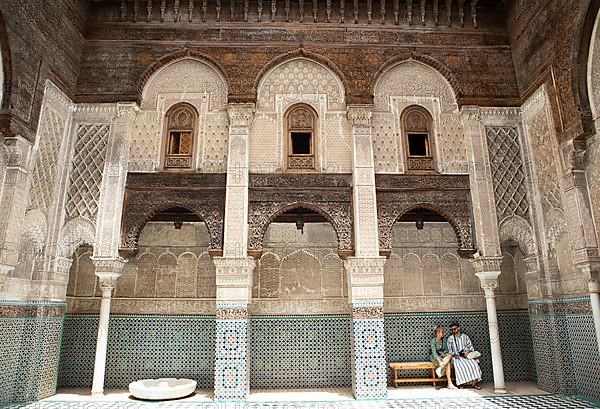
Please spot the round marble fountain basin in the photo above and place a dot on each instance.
(162, 388)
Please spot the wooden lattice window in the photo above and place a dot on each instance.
(179, 145)
(301, 122)
(417, 129)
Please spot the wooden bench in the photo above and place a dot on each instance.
(397, 366)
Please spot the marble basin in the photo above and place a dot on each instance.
(162, 388)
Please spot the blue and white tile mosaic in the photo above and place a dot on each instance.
(231, 360)
(369, 364)
(408, 336)
(139, 347)
(565, 345)
(300, 352)
(30, 338)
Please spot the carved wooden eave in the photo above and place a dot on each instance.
(447, 195)
(329, 195)
(147, 194)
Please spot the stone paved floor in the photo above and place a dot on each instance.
(521, 396)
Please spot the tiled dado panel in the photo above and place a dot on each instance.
(407, 338)
(29, 350)
(139, 347)
(300, 351)
(566, 349)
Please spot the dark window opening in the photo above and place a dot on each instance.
(180, 143)
(301, 143)
(417, 145)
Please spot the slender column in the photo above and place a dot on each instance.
(488, 270)
(107, 270)
(365, 269)
(594, 286)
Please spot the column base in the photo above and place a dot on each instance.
(97, 394)
(500, 390)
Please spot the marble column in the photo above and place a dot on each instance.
(365, 268)
(107, 270)
(234, 269)
(488, 270)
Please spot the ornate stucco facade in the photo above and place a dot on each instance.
(496, 224)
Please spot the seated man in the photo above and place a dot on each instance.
(467, 370)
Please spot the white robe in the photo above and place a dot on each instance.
(466, 370)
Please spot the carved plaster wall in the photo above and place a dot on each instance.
(188, 80)
(425, 273)
(299, 272)
(300, 80)
(546, 170)
(414, 83)
(172, 273)
(592, 159)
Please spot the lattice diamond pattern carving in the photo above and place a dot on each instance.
(86, 175)
(507, 172)
(52, 128)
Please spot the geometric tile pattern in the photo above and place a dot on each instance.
(507, 172)
(369, 358)
(565, 346)
(496, 402)
(29, 353)
(86, 175)
(139, 347)
(408, 336)
(300, 352)
(231, 360)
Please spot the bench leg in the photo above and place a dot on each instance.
(433, 377)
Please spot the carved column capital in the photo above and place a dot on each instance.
(573, 153)
(364, 265)
(360, 115)
(227, 265)
(17, 150)
(594, 286)
(108, 270)
(126, 112)
(487, 264)
(240, 115)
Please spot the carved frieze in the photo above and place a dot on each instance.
(293, 191)
(148, 194)
(447, 195)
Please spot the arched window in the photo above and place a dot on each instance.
(180, 134)
(418, 141)
(301, 123)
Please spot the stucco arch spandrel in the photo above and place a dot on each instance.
(186, 75)
(414, 78)
(517, 229)
(76, 232)
(262, 214)
(298, 76)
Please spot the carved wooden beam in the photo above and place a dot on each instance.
(342, 11)
(259, 9)
(301, 9)
(328, 5)
(355, 11)
(273, 9)
(287, 10)
(409, 11)
(422, 12)
(315, 4)
(369, 10)
(461, 12)
(204, 10)
(449, 12)
(396, 12)
(382, 11)
(218, 10)
(246, 7)
(232, 9)
(436, 12)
